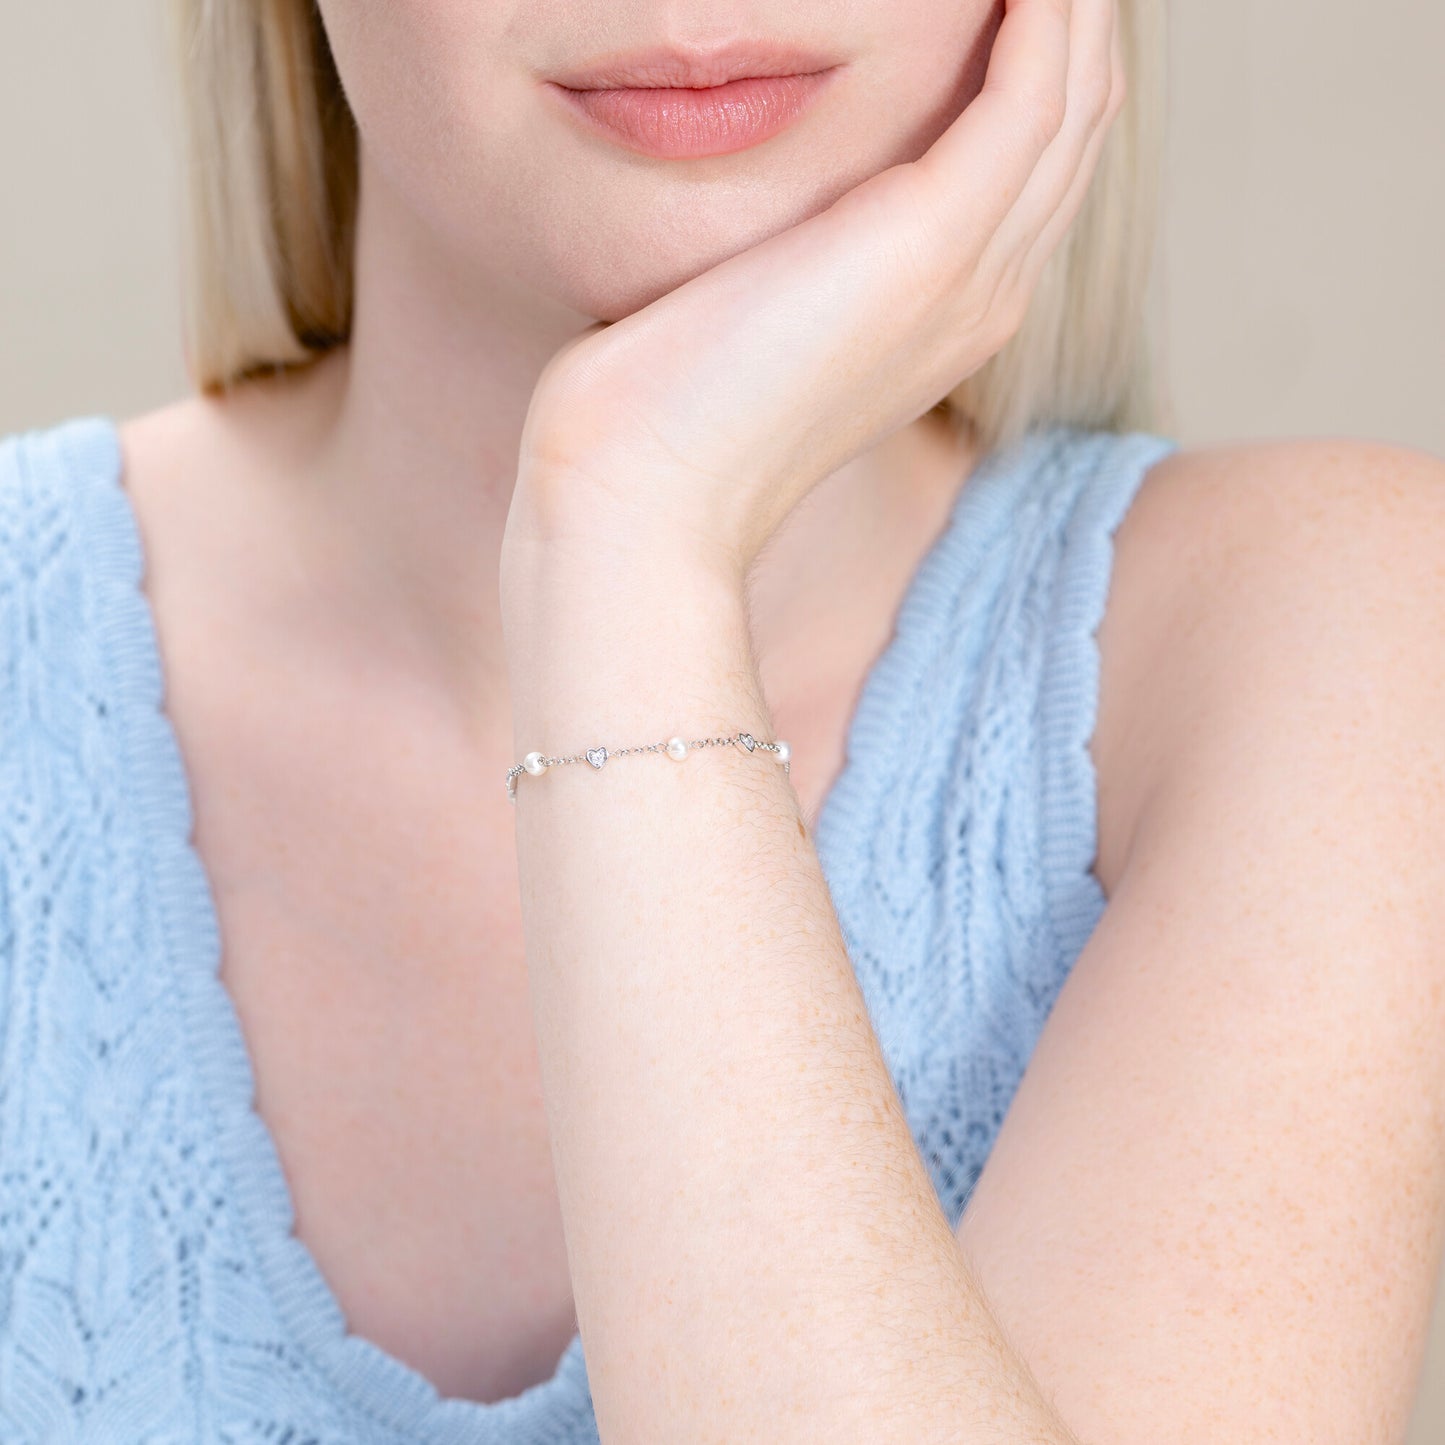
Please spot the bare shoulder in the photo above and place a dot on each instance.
(1221, 1182)
(251, 428)
(1291, 493)
(170, 441)
(1307, 564)
(178, 468)
(211, 477)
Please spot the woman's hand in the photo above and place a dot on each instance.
(701, 420)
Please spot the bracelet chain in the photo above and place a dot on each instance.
(675, 747)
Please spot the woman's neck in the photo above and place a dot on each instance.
(400, 453)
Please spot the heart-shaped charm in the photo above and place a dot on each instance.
(748, 741)
(596, 756)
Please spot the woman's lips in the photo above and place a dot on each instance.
(679, 124)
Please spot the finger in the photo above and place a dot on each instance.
(1060, 180)
(1101, 93)
(1052, 236)
(971, 177)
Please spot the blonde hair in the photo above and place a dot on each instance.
(272, 188)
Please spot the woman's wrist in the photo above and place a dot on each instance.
(624, 645)
(605, 592)
(587, 532)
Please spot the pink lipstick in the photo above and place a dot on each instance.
(677, 105)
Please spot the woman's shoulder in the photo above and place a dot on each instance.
(85, 448)
(1257, 565)
(71, 486)
(1244, 483)
(1228, 529)
(53, 476)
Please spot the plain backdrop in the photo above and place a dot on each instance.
(1299, 288)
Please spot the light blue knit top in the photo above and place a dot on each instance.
(150, 1285)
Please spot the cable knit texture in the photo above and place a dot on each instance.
(151, 1288)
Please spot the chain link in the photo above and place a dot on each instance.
(599, 756)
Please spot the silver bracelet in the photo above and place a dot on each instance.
(676, 748)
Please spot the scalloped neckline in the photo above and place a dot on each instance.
(365, 1378)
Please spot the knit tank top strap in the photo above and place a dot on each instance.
(959, 841)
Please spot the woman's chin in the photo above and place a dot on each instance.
(618, 298)
(609, 287)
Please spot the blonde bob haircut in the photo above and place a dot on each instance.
(271, 161)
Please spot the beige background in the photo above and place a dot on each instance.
(1300, 285)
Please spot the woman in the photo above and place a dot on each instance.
(547, 414)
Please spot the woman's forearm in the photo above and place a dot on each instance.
(756, 1249)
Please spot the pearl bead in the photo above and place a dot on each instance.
(677, 748)
(784, 751)
(534, 764)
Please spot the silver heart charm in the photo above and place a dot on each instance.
(596, 756)
(748, 741)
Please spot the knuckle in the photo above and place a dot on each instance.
(1044, 112)
(1099, 99)
(1118, 92)
(1006, 321)
(1004, 313)
(1118, 76)
(1056, 112)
